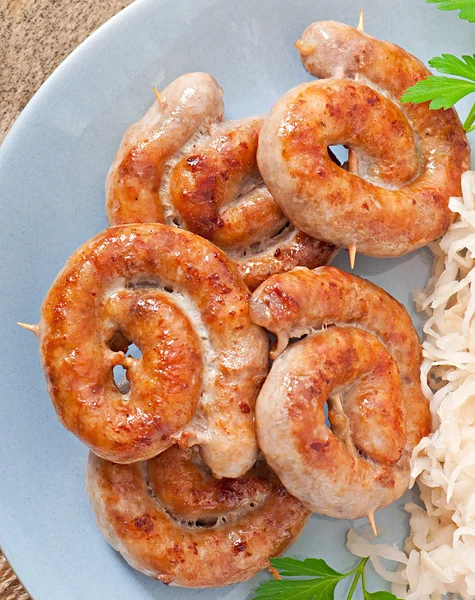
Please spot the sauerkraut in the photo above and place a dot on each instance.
(439, 554)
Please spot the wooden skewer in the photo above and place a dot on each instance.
(274, 572)
(352, 254)
(160, 98)
(338, 405)
(129, 362)
(344, 433)
(360, 26)
(352, 159)
(372, 523)
(337, 417)
(340, 423)
(33, 328)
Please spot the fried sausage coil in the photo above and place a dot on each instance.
(182, 165)
(182, 302)
(362, 356)
(410, 159)
(170, 519)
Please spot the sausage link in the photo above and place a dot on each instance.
(398, 200)
(172, 521)
(362, 356)
(182, 302)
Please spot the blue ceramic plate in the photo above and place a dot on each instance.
(52, 170)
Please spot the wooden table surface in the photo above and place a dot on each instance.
(35, 36)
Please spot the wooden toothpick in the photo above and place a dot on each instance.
(160, 98)
(360, 26)
(352, 158)
(340, 423)
(372, 523)
(274, 572)
(352, 254)
(33, 328)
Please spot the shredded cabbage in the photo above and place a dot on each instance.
(439, 554)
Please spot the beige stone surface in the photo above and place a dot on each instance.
(35, 36)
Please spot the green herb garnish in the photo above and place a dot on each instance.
(319, 583)
(444, 92)
(466, 8)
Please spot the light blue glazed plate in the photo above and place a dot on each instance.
(52, 170)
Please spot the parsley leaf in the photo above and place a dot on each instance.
(320, 587)
(452, 65)
(443, 92)
(320, 583)
(310, 567)
(466, 7)
(304, 589)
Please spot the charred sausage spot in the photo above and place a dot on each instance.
(320, 446)
(245, 408)
(240, 545)
(145, 523)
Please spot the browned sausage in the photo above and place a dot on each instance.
(410, 159)
(181, 165)
(171, 520)
(182, 302)
(362, 356)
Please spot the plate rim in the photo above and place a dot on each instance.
(11, 138)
